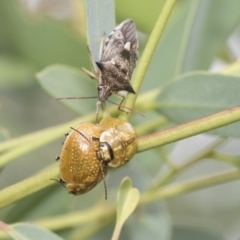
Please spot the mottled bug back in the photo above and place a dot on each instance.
(114, 50)
(118, 60)
(80, 168)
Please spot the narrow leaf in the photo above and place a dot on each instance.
(153, 223)
(195, 232)
(127, 200)
(100, 19)
(25, 231)
(199, 94)
(62, 81)
(209, 29)
(193, 39)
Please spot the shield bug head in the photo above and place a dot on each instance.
(81, 161)
(118, 57)
(120, 138)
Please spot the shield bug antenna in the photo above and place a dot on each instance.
(99, 154)
(118, 57)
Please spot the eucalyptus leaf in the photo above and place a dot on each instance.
(127, 200)
(126, 9)
(208, 31)
(153, 222)
(192, 39)
(34, 206)
(25, 231)
(196, 233)
(62, 81)
(199, 94)
(42, 42)
(165, 62)
(4, 134)
(100, 19)
(22, 74)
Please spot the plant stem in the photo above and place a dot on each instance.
(189, 129)
(28, 186)
(150, 126)
(148, 54)
(170, 191)
(17, 147)
(174, 171)
(31, 185)
(97, 216)
(181, 188)
(97, 213)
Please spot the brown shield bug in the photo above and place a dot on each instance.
(118, 57)
(81, 161)
(120, 138)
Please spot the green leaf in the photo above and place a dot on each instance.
(127, 200)
(62, 81)
(143, 7)
(200, 94)
(4, 134)
(100, 16)
(209, 30)
(192, 38)
(196, 233)
(153, 223)
(34, 206)
(165, 61)
(41, 41)
(25, 231)
(22, 74)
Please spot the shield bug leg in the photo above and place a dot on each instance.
(90, 74)
(92, 61)
(98, 106)
(57, 158)
(102, 45)
(130, 109)
(120, 106)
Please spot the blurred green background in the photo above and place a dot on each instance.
(36, 34)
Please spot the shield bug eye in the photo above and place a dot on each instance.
(80, 168)
(121, 138)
